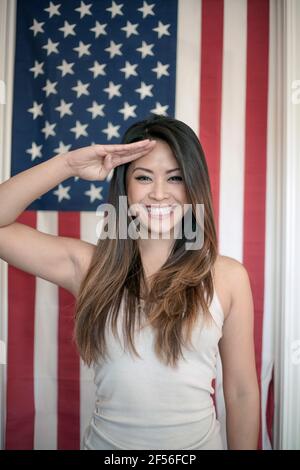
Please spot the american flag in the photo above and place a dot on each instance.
(84, 71)
(88, 71)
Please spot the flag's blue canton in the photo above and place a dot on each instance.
(84, 72)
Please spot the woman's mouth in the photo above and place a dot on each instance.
(160, 212)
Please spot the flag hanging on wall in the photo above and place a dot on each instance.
(84, 72)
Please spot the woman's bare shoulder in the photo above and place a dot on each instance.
(226, 272)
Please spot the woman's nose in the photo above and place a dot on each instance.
(159, 190)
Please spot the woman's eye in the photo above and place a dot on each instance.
(140, 178)
(179, 178)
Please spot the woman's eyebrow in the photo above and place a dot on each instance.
(150, 171)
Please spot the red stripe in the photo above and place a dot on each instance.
(20, 348)
(211, 92)
(255, 159)
(68, 433)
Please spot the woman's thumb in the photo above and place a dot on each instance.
(109, 162)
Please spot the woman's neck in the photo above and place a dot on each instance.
(154, 254)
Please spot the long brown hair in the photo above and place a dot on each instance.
(183, 287)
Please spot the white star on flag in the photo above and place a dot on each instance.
(51, 47)
(94, 192)
(159, 109)
(62, 192)
(35, 151)
(115, 9)
(68, 29)
(147, 9)
(79, 130)
(66, 68)
(144, 90)
(99, 29)
(128, 111)
(130, 29)
(50, 88)
(112, 90)
(161, 70)
(64, 108)
(37, 27)
(145, 49)
(129, 69)
(162, 29)
(84, 9)
(37, 68)
(114, 49)
(111, 131)
(36, 110)
(53, 10)
(98, 69)
(81, 88)
(48, 129)
(96, 110)
(82, 49)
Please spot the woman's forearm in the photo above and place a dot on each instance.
(242, 423)
(21, 190)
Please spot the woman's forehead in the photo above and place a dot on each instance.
(160, 157)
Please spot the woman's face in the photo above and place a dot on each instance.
(156, 188)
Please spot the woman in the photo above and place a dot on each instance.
(152, 307)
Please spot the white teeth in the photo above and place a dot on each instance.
(159, 211)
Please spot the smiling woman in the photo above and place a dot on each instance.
(170, 277)
(148, 315)
(152, 391)
(155, 182)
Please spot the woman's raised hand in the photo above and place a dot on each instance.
(93, 163)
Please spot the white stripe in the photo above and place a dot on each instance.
(232, 152)
(46, 349)
(7, 48)
(271, 299)
(287, 340)
(187, 99)
(233, 129)
(88, 223)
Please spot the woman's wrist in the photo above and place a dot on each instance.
(66, 170)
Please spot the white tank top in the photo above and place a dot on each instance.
(143, 404)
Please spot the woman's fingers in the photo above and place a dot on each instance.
(126, 153)
(118, 154)
(116, 148)
(134, 151)
(121, 159)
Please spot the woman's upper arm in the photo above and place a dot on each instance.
(236, 346)
(53, 258)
